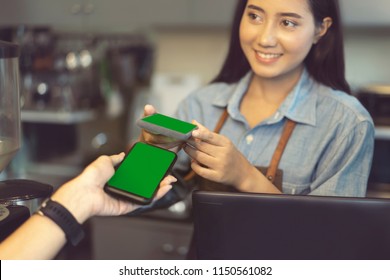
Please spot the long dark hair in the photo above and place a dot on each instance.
(325, 61)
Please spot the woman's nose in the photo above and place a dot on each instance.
(267, 36)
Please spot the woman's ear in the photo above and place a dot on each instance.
(322, 29)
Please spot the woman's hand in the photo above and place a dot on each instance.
(84, 196)
(215, 158)
(158, 140)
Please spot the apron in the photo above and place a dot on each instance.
(272, 172)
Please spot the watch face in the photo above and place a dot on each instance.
(45, 202)
(4, 212)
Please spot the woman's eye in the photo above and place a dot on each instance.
(289, 23)
(255, 17)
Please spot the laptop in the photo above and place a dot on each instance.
(289, 227)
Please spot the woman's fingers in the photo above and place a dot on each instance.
(200, 156)
(204, 134)
(149, 110)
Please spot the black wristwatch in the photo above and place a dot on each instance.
(64, 219)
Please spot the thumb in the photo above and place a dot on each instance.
(149, 110)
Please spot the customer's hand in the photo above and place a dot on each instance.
(84, 196)
(41, 238)
(156, 139)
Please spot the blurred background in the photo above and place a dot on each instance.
(88, 67)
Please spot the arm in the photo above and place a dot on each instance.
(40, 238)
(215, 158)
(344, 170)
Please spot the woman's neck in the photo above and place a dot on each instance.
(274, 90)
(264, 96)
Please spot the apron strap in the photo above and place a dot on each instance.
(271, 171)
(287, 131)
(221, 121)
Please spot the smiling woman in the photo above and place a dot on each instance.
(278, 117)
(276, 42)
(283, 87)
(328, 53)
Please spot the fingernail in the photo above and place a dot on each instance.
(195, 133)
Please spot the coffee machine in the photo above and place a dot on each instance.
(18, 198)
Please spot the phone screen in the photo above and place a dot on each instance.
(141, 171)
(170, 123)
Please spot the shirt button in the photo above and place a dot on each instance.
(249, 139)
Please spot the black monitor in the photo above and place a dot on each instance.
(290, 227)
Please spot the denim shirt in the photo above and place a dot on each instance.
(329, 153)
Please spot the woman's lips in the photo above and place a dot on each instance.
(267, 58)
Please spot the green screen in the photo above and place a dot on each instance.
(142, 170)
(170, 123)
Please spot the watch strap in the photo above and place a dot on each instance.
(64, 219)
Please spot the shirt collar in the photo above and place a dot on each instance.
(299, 106)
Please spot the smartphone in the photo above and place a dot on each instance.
(168, 126)
(138, 176)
